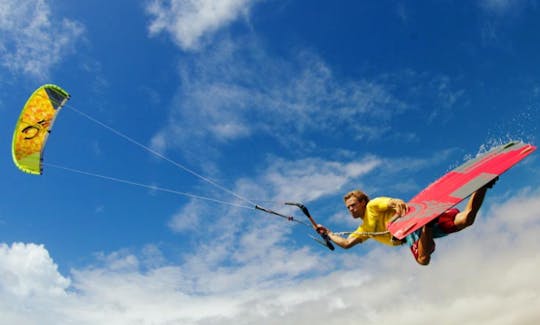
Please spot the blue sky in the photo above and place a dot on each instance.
(275, 101)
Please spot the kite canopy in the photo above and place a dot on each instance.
(34, 125)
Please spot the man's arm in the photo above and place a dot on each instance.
(345, 242)
(341, 241)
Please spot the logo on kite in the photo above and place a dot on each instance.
(34, 125)
(33, 131)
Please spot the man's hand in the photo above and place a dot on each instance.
(399, 206)
(322, 230)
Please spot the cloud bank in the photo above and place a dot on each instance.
(472, 274)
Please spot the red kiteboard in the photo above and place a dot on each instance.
(457, 185)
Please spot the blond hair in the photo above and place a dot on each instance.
(361, 196)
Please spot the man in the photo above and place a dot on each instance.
(376, 214)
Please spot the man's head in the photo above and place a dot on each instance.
(356, 201)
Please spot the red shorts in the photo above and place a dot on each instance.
(444, 224)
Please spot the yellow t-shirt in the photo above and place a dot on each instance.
(376, 218)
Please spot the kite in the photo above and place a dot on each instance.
(34, 125)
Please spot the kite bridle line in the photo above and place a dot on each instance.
(161, 156)
(281, 215)
(155, 153)
(147, 186)
(190, 195)
(148, 149)
(253, 205)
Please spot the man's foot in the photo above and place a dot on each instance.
(492, 182)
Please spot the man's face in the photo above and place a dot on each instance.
(355, 207)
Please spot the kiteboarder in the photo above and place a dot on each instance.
(377, 213)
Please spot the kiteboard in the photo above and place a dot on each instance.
(458, 184)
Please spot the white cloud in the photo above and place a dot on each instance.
(235, 90)
(308, 179)
(187, 219)
(28, 270)
(29, 284)
(190, 21)
(32, 40)
(472, 274)
(502, 7)
(497, 16)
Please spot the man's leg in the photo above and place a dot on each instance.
(426, 245)
(466, 217)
